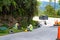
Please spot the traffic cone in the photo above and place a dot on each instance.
(58, 35)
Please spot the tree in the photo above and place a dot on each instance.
(58, 13)
(49, 10)
(59, 2)
(21, 10)
(38, 9)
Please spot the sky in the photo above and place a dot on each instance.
(48, 0)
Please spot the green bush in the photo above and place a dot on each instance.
(34, 23)
(4, 25)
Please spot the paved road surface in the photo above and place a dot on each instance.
(43, 33)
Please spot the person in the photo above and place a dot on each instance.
(45, 23)
(30, 27)
(17, 26)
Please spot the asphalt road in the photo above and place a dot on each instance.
(43, 33)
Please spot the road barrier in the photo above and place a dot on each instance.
(58, 35)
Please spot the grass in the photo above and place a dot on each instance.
(6, 32)
(2, 34)
(15, 30)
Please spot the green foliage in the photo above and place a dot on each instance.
(49, 10)
(59, 2)
(20, 8)
(5, 25)
(58, 13)
(34, 24)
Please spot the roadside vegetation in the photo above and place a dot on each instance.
(22, 11)
(50, 10)
(12, 11)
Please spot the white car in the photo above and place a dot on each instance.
(49, 22)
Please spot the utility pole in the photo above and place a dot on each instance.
(54, 3)
(55, 7)
(50, 2)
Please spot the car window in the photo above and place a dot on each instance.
(43, 17)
